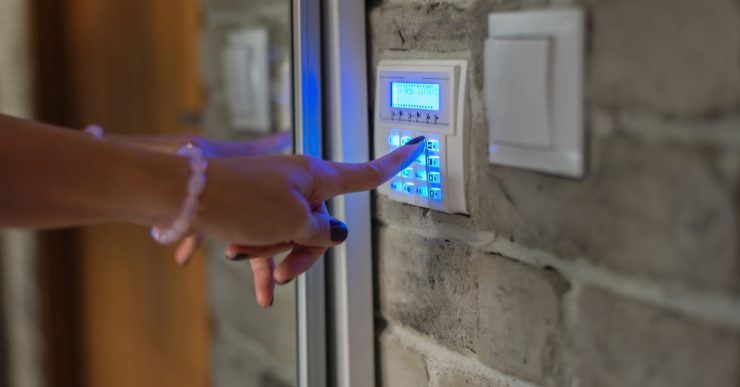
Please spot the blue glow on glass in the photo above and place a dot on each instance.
(421, 160)
(408, 172)
(394, 140)
(421, 175)
(421, 96)
(405, 139)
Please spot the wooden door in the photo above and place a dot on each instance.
(130, 66)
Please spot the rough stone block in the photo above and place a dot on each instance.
(679, 57)
(624, 343)
(656, 210)
(430, 285)
(452, 377)
(520, 319)
(400, 366)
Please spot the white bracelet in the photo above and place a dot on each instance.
(196, 185)
(95, 130)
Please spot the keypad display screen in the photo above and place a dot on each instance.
(422, 96)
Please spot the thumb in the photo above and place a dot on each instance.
(322, 230)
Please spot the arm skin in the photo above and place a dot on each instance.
(50, 177)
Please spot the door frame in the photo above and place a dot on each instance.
(336, 337)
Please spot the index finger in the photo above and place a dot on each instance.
(344, 177)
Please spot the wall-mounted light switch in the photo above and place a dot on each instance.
(424, 98)
(247, 80)
(533, 90)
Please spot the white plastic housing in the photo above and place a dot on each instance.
(533, 89)
(445, 126)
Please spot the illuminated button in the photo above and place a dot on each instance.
(421, 191)
(405, 139)
(435, 193)
(421, 175)
(396, 186)
(433, 161)
(408, 188)
(421, 160)
(433, 145)
(394, 140)
(408, 172)
(435, 177)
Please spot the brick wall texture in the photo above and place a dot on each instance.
(629, 277)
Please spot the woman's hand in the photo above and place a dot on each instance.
(268, 204)
(212, 149)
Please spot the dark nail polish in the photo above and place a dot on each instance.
(240, 257)
(416, 140)
(284, 283)
(339, 231)
(272, 301)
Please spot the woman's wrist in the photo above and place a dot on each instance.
(155, 186)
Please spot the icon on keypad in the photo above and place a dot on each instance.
(421, 191)
(435, 193)
(396, 186)
(421, 160)
(405, 139)
(408, 188)
(408, 172)
(433, 145)
(434, 177)
(421, 175)
(433, 161)
(394, 140)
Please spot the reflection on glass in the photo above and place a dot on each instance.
(251, 346)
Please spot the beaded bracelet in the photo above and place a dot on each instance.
(196, 185)
(95, 130)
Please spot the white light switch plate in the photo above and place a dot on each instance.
(247, 80)
(424, 97)
(533, 90)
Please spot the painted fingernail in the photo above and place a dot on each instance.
(339, 231)
(416, 140)
(239, 257)
(284, 282)
(272, 301)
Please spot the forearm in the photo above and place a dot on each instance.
(51, 177)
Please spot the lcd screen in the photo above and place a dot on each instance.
(422, 96)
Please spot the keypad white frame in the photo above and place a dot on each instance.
(450, 129)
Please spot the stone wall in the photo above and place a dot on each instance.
(627, 277)
(251, 346)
